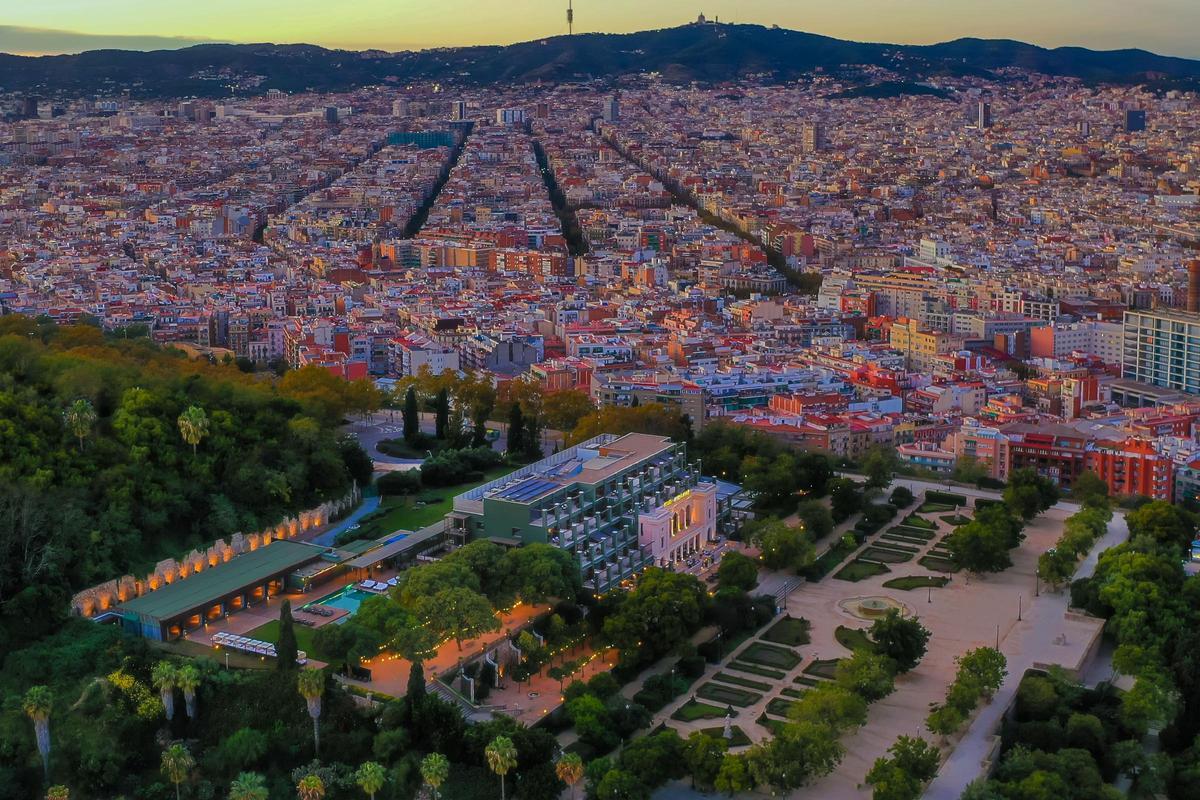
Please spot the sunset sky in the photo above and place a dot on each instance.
(57, 26)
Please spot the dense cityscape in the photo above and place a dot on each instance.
(835, 437)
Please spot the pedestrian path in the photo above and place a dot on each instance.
(1035, 641)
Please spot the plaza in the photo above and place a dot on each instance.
(1011, 609)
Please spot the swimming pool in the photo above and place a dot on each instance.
(347, 598)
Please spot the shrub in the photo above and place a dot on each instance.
(947, 498)
(901, 497)
(399, 482)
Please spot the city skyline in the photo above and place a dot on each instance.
(66, 26)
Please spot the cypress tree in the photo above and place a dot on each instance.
(412, 419)
(415, 692)
(533, 437)
(516, 429)
(285, 647)
(443, 412)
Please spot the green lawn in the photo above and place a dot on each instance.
(895, 538)
(887, 554)
(737, 738)
(804, 680)
(725, 677)
(729, 695)
(413, 512)
(909, 582)
(769, 655)
(692, 711)
(917, 533)
(857, 570)
(304, 638)
(853, 638)
(773, 725)
(779, 707)
(828, 560)
(823, 668)
(938, 564)
(913, 521)
(754, 669)
(956, 519)
(789, 631)
(935, 508)
(795, 694)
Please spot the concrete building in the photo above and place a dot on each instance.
(168, 613)
(1162, 348)
(618, 504)
(1133, 467)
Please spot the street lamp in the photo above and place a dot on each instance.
(1020, 600)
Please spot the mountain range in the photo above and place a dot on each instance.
(705, 52)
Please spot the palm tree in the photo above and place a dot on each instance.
(80, 417)
(248, 786)
(193, 426)
(187, 678)
(177, 762)
(164, 678)
(370, 777)
(501, 757)
(36, 705)
(435, 768)
(569, 770)
(311, 787)
(60, 792)
(311, 684)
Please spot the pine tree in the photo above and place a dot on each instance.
(285, 647)
(412, 419)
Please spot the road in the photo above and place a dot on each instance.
(1031, 642)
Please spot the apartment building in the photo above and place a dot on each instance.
(1162, 348)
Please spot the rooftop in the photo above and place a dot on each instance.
(590, 462)
(211, 584)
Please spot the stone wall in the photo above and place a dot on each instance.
(101, 598)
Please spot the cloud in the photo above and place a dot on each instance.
(20, 40)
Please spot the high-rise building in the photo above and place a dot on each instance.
(812, 137)
(458, 110)
(1085, 128)
(510, 116)
(983, 115)
(611, 110)
(1135, 120)
(331, 114)
(400, 108)
(1162, 348)
(29, 106)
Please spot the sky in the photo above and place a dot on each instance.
(63, 26)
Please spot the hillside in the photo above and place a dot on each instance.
(707, 53)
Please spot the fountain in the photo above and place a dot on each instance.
(871, 608)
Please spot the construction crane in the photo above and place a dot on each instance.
(570, 18)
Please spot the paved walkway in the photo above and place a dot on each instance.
(326, 537)
(389, 672)
(1032, 642)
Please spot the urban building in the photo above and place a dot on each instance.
(1162, 348)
